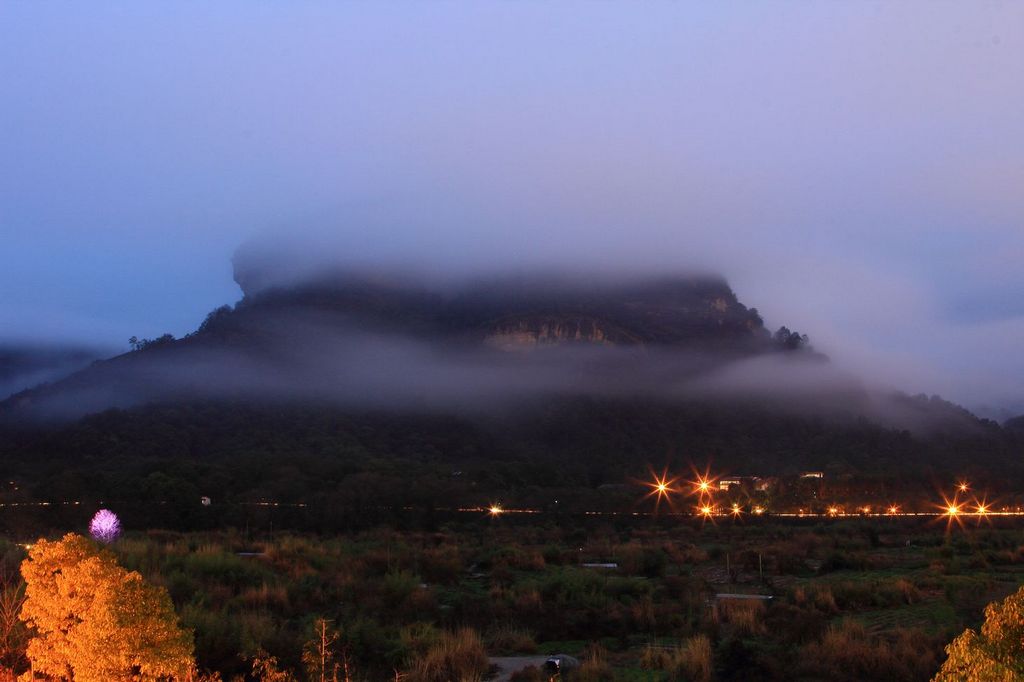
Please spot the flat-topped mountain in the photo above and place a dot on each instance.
(396, 341)
(363, 383)
(525, 311)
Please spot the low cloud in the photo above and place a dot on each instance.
(853, 169)
(324, 359)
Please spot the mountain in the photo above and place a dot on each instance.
(25, 365)
(384, 340)
(380, 389)
(1015, 424)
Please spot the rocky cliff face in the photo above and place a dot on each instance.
(523, 312)
(523, 333)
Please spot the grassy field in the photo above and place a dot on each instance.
(853, 599)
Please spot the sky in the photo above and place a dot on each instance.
(853, 169)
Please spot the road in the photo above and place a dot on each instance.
(513, 664)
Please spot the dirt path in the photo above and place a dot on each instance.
(512, 664)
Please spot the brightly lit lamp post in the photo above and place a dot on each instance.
(661, 488)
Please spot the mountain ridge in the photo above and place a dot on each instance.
(274, 330)
(378, 390)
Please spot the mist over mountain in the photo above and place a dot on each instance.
(25, 365)
(472, 343)
(378, 384)
(389, 340)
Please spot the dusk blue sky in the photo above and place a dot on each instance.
(856, 170)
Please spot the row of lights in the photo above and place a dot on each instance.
(662, 487)
(702, 487)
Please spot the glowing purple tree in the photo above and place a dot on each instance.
(105, 526)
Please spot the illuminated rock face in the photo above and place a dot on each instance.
(528, 332)
(516, 312)
(105, 526)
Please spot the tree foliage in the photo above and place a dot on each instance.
(791, 340)
(142, 344)
(94, 621)
(12, 630)
(994, 655)
(265, 668)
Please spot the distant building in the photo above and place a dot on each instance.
(813, 474)
(755, 482)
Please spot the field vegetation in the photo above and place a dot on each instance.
(640, 600)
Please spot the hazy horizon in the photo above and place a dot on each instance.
(851, 170)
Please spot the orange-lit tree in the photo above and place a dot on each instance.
(93, 621)
(995, 655)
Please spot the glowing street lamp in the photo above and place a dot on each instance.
(736, 510)
(952, 509)
(706, 510)
(758, 510)
(894, 510)
(661, 488)
(833, 511)
(963, 486)
(703, 483)
(495, 510)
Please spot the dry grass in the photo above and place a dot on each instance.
(744, 616)
(692, 660)
(508, 639)
(818, 596)
(265, 596)
(528, 600)
(849, 651)
(642, 612)
(911, 595)
(595, 667)
(455, 657)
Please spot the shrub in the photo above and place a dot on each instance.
(997, 652)
(398, 586)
